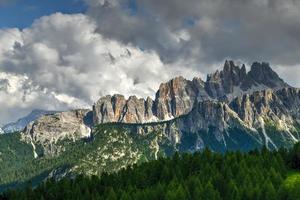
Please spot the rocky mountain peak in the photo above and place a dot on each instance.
(232, 76)
(262, 73)
(178, 96)
(173, 87)
(214, 77)
(225, 81)
(229, 67)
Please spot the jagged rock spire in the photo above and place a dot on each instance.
(178, 96)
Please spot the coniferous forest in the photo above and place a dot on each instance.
(259, 174)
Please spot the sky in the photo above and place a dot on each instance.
(22, 13)
(59, 55)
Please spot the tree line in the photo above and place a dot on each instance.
(258, 174)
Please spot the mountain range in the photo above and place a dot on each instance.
(232, 110)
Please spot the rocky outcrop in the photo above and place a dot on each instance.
(48, 130)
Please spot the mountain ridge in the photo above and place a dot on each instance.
(267, 100)
(177, 96)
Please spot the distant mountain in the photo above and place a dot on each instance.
(21, 123)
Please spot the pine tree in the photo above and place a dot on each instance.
(111, 195)
(268, 191)
(209, 192)
(233, 191)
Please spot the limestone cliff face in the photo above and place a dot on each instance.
(173, 99)
(281, 107)
(178, 96)
(50, 129)
(118, 109)
(269, 118)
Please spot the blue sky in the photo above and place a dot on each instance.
(21, 13)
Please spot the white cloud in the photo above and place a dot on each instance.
(290, 74)
(64, 63)
(19, 95)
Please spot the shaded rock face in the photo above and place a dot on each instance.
(178, 96)
(281, 106)
(269, 118)
(221, 83)
(48, 130)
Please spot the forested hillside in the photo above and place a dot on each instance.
(255, 175)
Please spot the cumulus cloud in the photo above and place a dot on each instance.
(19, 95)
(129, 47)
(65, 56)
(204, 31)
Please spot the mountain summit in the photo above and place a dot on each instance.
(177, 97)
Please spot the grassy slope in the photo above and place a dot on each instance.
(292, 185)
(111, 148)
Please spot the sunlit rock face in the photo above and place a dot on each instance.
(118, 109)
